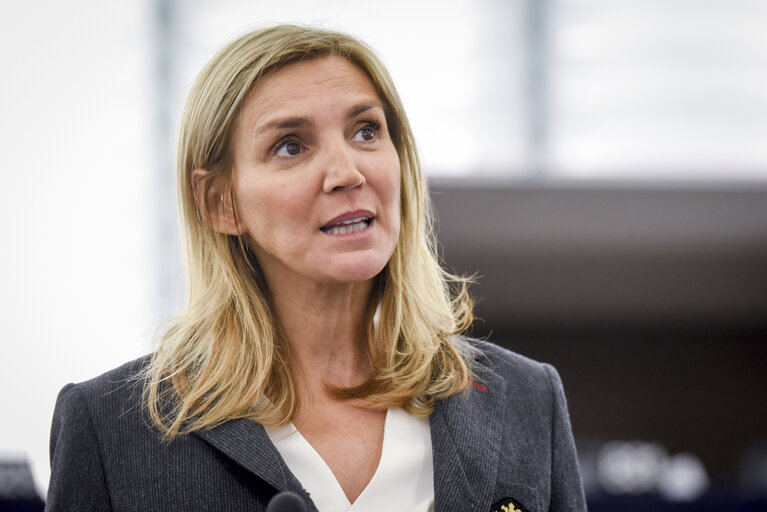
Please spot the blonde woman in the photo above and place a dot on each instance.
(320, 352)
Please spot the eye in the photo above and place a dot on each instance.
(287, 147)
(367, 133)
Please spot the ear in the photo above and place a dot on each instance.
(215, 203)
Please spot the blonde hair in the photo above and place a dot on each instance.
(225, 356)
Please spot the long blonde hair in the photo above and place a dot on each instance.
(225, 356)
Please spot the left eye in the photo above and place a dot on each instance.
(367, 133)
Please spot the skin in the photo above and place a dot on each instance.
(310, 145)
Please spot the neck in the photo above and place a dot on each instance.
(325, 326)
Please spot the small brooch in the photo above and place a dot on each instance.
(507, 505)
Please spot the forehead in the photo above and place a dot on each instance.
(300, 85)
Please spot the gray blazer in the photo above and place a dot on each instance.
(507, 441)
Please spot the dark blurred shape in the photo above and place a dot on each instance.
(588, 457)
(712, 503)
(36, 505)
(753, 469)
(286, 502)
(17, 487)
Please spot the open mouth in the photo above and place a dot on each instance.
(348, 226)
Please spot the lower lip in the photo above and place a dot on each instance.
(352, 236)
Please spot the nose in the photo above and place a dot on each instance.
(341, 170)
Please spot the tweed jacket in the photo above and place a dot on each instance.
(503, 445)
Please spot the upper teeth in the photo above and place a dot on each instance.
(347, 226)
(352, 221)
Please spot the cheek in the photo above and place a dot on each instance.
(396, 191)
(394, 200)
(272, 212)
(396, 195)
(253, 207)
(390, 176)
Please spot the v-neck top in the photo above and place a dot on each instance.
(404, 479)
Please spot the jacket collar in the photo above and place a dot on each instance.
(247, 443)
(466, 438)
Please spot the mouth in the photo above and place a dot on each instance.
(348, 226)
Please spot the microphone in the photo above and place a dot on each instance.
(286, 502)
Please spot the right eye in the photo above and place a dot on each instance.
(287, 148)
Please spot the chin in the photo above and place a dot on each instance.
(355, 270)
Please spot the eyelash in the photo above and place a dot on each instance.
(285, 141)
(374, 125)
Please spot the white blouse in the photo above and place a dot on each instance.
(404, 479)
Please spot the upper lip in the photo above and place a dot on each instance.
(356, 214)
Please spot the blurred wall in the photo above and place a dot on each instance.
(77, 209)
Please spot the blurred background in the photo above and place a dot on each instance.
(600, 165)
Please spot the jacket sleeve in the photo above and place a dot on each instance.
(77, 475)
(566, 486)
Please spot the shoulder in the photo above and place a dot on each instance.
(90, 403)
(520, 372)
(118, 381)
(496, 355)
(536, 450)
(124, 373)
(88, 418)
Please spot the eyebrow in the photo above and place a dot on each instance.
(302, 122)
(288, 122)
(359, 109)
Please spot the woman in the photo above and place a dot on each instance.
(320, 352)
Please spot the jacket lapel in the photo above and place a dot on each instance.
(466, 435)
(246, 443)
(466, 439)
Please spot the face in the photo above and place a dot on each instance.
(316, 176)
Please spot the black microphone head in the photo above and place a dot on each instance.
(286, 502)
